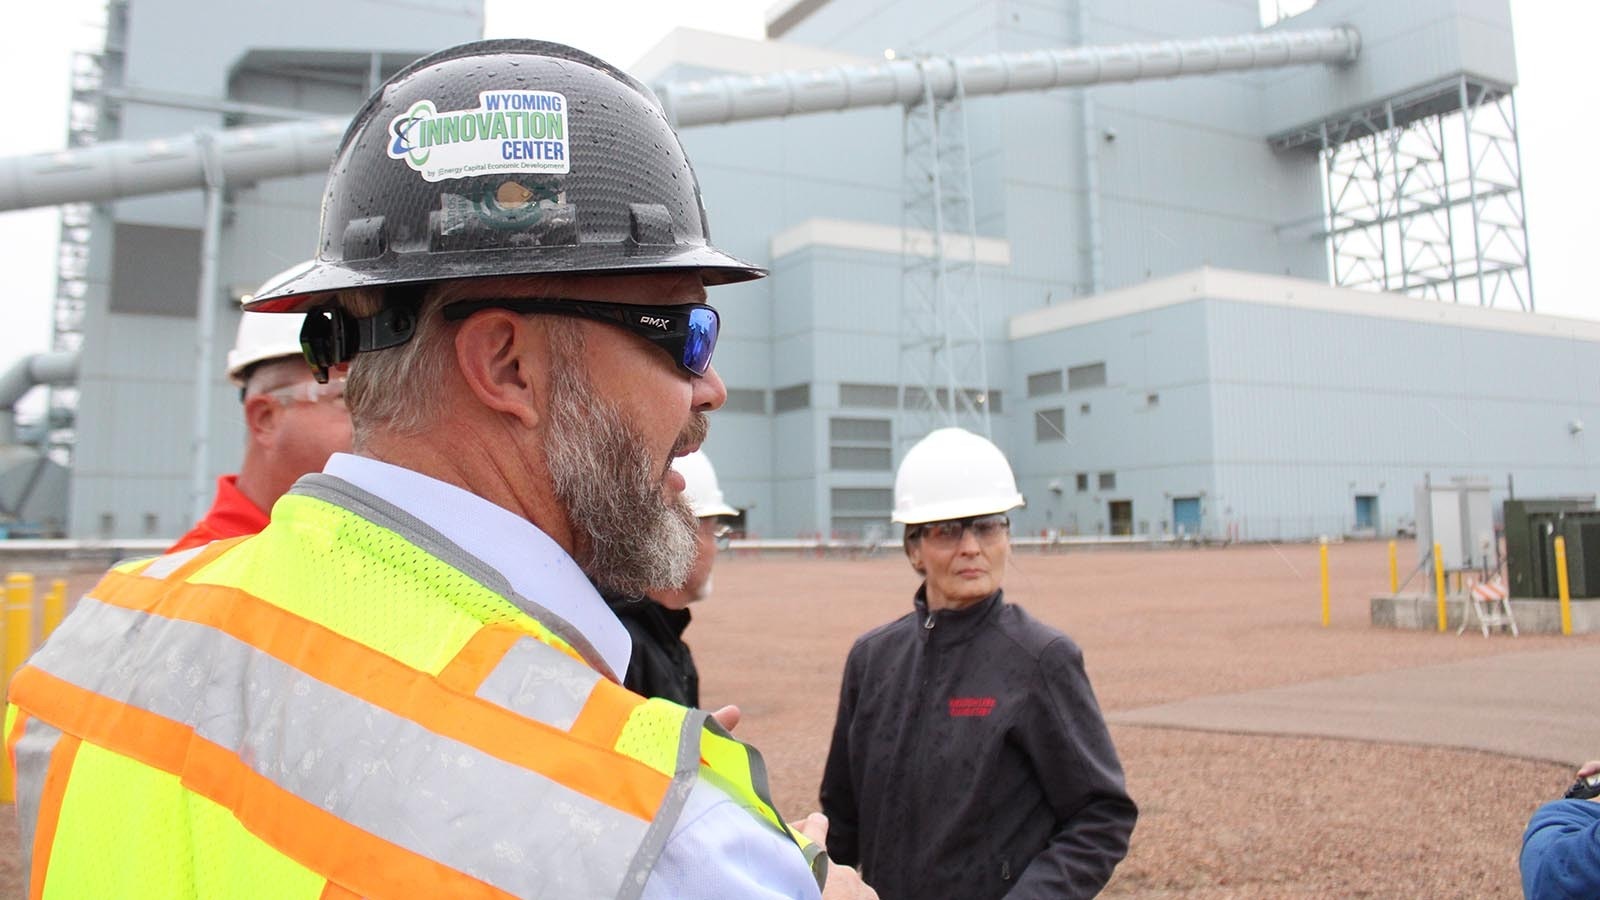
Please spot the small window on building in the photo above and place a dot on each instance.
(794, 397)
(1108, 481)
(859, 512)
(917, 398)
(871, 431)
(745, 400)
(859, 459)
(860, 445)
(1092, 375)
(1083, 409)
(868, 396)
(1083, 482)
(1152, 399)
(1049, 425)
(1041, 384)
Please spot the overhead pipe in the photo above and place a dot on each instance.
(116, 169)
(56, 369)
(244, 156)
(737, 98)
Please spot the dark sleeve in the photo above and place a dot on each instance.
(1561, 851)
(838, 793)
(637, 678)
(1071, 750)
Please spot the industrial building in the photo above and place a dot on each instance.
(1194, 275)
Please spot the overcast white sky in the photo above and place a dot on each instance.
(1555, 108)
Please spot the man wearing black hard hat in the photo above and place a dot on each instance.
(406, 684)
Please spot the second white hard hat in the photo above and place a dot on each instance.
(700, 486)
(952, 474)
(264, 336)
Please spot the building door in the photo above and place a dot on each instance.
(1122, 517)
(1366, 512)
(1186, 516)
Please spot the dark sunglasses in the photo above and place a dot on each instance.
(688, 332)
(949, 532)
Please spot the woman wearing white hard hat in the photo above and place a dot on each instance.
(969, 757)
(661, 664)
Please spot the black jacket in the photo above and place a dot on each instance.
(970, 761)
(661, 665)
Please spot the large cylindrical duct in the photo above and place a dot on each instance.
(736, 98)
(246, 155)
(40, 368)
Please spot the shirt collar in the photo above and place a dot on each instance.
(535, 565)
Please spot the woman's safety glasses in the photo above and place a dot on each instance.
(688, 332)
(948, 533)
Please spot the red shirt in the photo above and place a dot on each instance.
(231, 515)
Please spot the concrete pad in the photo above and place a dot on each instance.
(1538, 705)
(1533, 615)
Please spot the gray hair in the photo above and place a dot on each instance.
(397, 390)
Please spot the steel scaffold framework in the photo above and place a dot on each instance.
(1424, 197)
(92, 73)
(943, 370)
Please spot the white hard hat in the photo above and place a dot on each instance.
(264, 336)
(700, 486)
(952, 474)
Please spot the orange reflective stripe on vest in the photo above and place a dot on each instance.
(493, 762)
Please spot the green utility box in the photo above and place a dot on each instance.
(1531, 527)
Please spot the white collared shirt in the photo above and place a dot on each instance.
(716, 850)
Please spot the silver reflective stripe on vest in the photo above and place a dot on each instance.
(540, 682)
(683, 780)
(38, 741)
(166, 565)
(383, 773)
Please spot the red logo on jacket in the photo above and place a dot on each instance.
(971, 706)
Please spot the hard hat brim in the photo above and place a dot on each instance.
(714, 509)
(316, 284)
(963, 508)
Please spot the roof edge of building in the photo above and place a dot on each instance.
(1207, 283)
(873, 237)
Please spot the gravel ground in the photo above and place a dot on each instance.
(1222, 815)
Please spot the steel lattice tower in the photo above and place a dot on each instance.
(943, 371)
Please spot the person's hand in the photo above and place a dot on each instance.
(1591, 767)
(728, 717)
(844, 883)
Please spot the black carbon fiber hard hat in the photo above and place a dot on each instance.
(507, 157)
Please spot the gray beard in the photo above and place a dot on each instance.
(628, 537)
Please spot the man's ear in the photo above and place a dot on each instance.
(504, 360)
(263, 414)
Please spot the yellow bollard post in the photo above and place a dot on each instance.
(1438, 582)
(1394, 569)
(1323, 552)
(55, 607)
(19, 634)
(1561, 585)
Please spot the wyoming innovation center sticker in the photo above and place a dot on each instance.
(510, 131)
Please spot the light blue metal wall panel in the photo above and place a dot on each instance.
(1404, 46)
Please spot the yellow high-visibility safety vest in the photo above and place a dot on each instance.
(345, 705)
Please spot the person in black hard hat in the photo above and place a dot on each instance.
(407, 683)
